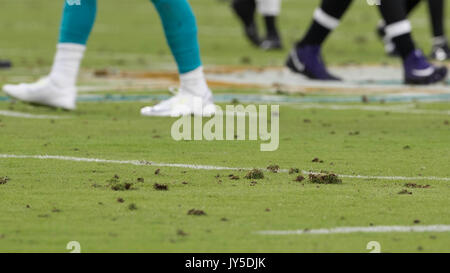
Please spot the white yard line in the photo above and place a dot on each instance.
(374, 229)
(26, 115)
(204, 167)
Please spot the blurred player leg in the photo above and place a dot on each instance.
(417, 70)
(180, 28)
(58, 88)
(4, 64)
(306, 57)
(270, 10)
(245, 10)
(440, 50)
(389, 46)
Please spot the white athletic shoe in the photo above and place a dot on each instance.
(182, 104)
(44, 92)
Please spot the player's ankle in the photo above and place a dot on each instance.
(194, 83)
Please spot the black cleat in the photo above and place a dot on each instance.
(5, 64)
(271, 43)
(251, 32)
(440, 52)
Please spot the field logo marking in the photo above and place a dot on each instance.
(74, 246)
(374, 246)
(231, 124)
(206, 167)
(346, 230)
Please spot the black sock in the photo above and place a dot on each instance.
(318, 32)
(411, 5)
(245, 9)
(271, 26)
(394, 12)
(436, 9)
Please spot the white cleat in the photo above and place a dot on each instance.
(44, 92)
(182, 104)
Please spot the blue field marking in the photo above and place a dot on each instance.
(227, 98)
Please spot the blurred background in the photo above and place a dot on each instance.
(129, 34)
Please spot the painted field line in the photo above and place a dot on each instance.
(204, 167)
(345, 230)
(395, 109)
(26, 115)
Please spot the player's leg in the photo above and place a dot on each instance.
(58, 88)
(245, 11)
(417, 69)
(270, 10)
(389, 46)
(180, 28)
(440, 50)
(306, 58)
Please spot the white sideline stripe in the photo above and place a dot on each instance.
(203, 167)
(374, 229)
(26, 115)
(394, 109)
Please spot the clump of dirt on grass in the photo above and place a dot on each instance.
(196, 212)
(120, 200)
(233, 177)
(417, 186)
(132, 206)
(145, 162)
(317, 160)
(273, 168)
(158, 171)
(293, 170)
(122, 186)
(365, 99)
(140, 179)
(404, 192)
(324, 178)
(116, 185)
(181, 233)
(299, 178)
(4, 180)
(160, 187)
(254, 174)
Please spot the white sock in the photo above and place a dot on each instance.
(439, 40)
(67, 63)
(194, 83)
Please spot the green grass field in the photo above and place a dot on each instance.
(45, 203)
